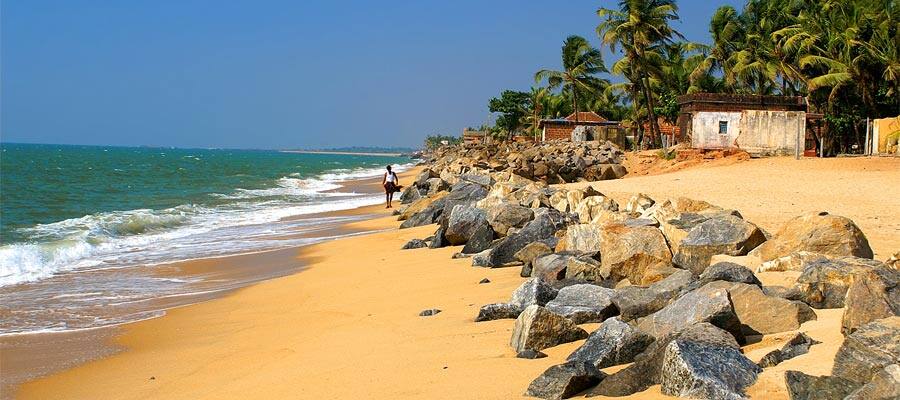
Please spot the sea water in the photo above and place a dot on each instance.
(82, 227)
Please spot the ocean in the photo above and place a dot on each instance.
(83, 227)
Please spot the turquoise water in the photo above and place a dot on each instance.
(66, 208)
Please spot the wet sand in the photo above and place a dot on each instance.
(347, 324)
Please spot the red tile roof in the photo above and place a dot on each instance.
(589, 116)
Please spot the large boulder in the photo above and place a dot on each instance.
(409, 195)
(869, 349)
(551, 267)
(581, 237)
(762, 314)
(533, 292)
(801, 386)
(703, 371)
(728, 235)
(791, 262)
(614, 343)
(585, 269)
(538, 328)
(583, 303)
(631, 252)
(415, 244)
(646, 369)
(634, 302)
(532, 251)
(706, 304)
(873, 294)
(481, 239)
(885, 385)
(419, 205)
(638, 204)
(464, 221)
(591, 209)
(817, 232)
(436, 185)
(504, 216)
(494, 311)
(542, 228)
(729, 271)
(462, 193)
(565, 380)
(824, 283)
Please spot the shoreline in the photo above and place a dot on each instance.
(348, 325)
(60, 350)
(343, 153)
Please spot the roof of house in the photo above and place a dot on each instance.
(697, 101)
(584, 118)
(474, 133)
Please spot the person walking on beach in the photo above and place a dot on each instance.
(391, 184)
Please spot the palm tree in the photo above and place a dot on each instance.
(581, 63)
(639, 27)
(532, 118)
(727, 32)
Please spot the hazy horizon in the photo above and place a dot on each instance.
(201, 74)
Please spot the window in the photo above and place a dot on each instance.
(723, 127)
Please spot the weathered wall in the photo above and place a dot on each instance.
(705, 129)
(771, 132)
(883, 129)
(556, 132)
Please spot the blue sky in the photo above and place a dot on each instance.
(276, 74)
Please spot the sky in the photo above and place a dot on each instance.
(277, 74)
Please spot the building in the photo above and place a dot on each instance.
(757, 124)
(596, 128)
(475, 137)
(885, 135)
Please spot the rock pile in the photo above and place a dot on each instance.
(652, 273)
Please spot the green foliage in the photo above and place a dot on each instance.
(512, 106)
(434, 141)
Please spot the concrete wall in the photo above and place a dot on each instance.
(771, 132)
(705, 129)
(882, 139)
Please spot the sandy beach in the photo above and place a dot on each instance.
(347, 325)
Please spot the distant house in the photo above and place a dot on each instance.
(475, 137)
(597, 128)
(760, 125)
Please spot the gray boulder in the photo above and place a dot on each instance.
(728, 271)
(550, 267)
(409, 195)
(633, 253)
(427, 216)
(797, 345)
(538, 328)
(542, 228)
(565, 380)
(817, 232)
(808, 387)
(868, 350)
(762, 314)
(583, 303)
(495, 311)
(439, 240)
(635, 302)
(508, 215)
(722, 235)
(824, 283)
(614, 343)
(885, 385)
(480, 240)
(415, 244)
(533, 291)
(530, 354)
(464, 221)
(873, 294)
(706, 304)
(531, 251)
(702, 371)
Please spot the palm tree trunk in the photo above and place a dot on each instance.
(575, 102)
(654, 127)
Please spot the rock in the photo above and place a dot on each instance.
(702, 371)
(436, 185)
(791, 262)
(550, 267)
(873, 294)
(581, 237)
(583, 303)
(533, 291)
(565, 380)
(409, 195)
(824, 284)
(424, 211)
(728, 271)
(464, 221)
(628, 253)
(415, 244)
(885, 385)
(429, 312)
(722, 235)
(576, 196)
(706, 304)
(559, 201)
(614, 343)
(480, 179)
(635, 302)
(485, 280)
(818, 232)
(545, 223)
(676, 226)
(462, 193)
(762, 314)
(538, 328)
(530, 354)
(531, 251)
(482, 259)
(494, 311)
(439, 239)
(587, 269)
(807, 387)
(782, 292)
(423, 177)
(591, 208)
(636, 222)
(893, 261)
(797, 345)
(866, 351)
(638, 204)
(647, 366)
(480, 240)
(508, 215)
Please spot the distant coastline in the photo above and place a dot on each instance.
(346, 153)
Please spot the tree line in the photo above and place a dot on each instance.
(843, 56)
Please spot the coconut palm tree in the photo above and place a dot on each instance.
(532, 118)
(638, 27)
(581, 63)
